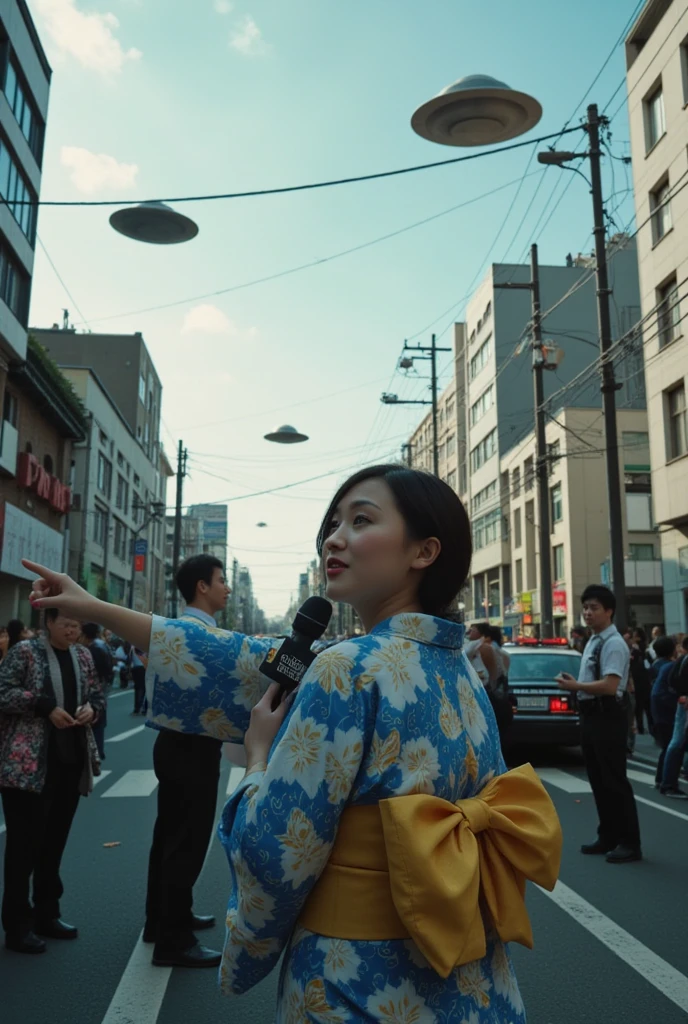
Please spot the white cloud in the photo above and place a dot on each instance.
(91, 172)
(223, 6)
(247, 38)
(207, 319)
(87, 37)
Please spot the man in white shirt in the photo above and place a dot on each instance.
(188, 770)
(603, 706)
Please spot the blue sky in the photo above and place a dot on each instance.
(156, 99)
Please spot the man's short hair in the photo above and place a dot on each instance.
(195, 570)
(579, 631)
(91, 630)
(600, 593)
(483, 628)
(665, 646)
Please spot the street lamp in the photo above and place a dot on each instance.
(154, 222)
(476, 111)
(286, 435)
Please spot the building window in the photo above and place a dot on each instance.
(451, 479)
(528, 474)
(121, 540)
(553, 456)
(142, 388)
(678, 424)
(479, 601)
(556, 504)
(48, 463)
(494, 606)
(487, 529)
(14, 284)
(122, 499)
(451, 445)
(558, 562)
(24, 110)
(515, 482)
(635, 439)
(104, 475)
(118, 589)
(17, 194)
(660, 208)
(668, 312)
(518, 538)
(519, 575)
(483, 497)
(484, 450)
(450, 410)
(641, 552)
(655, 121)
(10, 411)
(100, 517)
(479, 360)
(482, 405)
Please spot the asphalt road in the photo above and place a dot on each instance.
(610, 946)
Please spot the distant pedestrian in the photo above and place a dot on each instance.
(664, 704)
(678, 746)
(579, 638)
(478, 650)
(104, 663)
(131, 661)
(49, 696)
(17, 631)
(640, 674)
(657, 632)
(603, 706)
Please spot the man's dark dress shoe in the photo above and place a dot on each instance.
(199, 922)
(197, 956)
(56, 929)
(624, 854)
(596, 847)
(28, 943)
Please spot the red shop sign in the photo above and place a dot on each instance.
(32, 476)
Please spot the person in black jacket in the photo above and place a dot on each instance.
(642, 684)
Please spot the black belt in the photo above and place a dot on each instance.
(603, 704)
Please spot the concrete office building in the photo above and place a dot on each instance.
(487, 409)
(579, 518)
(203, 531)
(119, 500)
(124, 365)
(657, 82)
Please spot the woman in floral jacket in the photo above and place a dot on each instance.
(377, 843)
(49, 697)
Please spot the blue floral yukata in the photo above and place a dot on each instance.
(395, 712)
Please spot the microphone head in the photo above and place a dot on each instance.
(313, 617)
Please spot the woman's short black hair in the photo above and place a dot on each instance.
(665, 646)
(15, 628)
(430, 508)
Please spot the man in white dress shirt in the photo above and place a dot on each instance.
(603, 706)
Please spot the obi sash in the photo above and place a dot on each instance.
(421, 867)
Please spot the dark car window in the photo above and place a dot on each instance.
(531, 667)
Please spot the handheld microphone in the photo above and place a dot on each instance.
(288, 663)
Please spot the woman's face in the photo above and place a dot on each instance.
(368, 559)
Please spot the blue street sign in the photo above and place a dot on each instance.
(141, 547)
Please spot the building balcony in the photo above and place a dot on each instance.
(8, 449)
(641, 574)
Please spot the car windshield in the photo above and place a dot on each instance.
(529, 666)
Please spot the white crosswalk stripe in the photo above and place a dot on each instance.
(103, 775)
(136, 782)
(562, 780)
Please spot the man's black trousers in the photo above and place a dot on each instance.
(188, 770)
(38, 827)
(604, 728)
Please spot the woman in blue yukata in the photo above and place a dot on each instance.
(377, 839)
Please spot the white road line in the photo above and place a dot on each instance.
(235, 777)
(103, 775)
(562, 780)
(140, 992)
(665, 978)
(125, 735)
(120, 693)
(645, 777)
(659, 807)
(136, 782)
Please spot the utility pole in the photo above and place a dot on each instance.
(406, 363)
(542, 470)
(609, 385)
(177, 543)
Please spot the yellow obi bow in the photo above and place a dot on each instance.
(421, 867)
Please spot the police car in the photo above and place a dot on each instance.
(543, 713)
